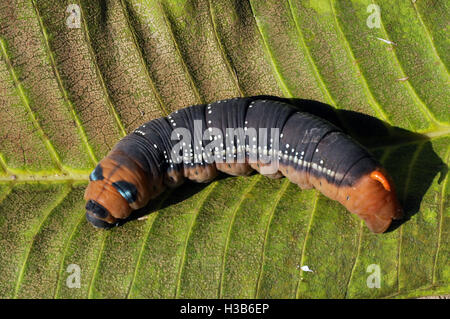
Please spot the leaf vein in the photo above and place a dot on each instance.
(235, 209)
(421, 105)
(407, 181)
(311, 63)
(188, 235)
(61, 86)
(373, 102)
(441, 221)
(280, 194)
(430, 39)
(361, 223)
(225, 57)
(97, 264)
(144, 241)
(98, 72)
(64, 254)
(284, 87)
(180, 55)
(316, 199)
(35, 233)
(138, 48)
(50, 148)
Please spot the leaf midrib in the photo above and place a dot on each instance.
(71, 175)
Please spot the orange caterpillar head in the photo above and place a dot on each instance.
(373, 198)
(114, 190)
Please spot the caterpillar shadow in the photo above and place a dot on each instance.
(408, 157)
(171, 197)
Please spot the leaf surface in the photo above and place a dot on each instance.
(67, 95)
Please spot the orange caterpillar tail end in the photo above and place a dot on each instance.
(374, 199)
(388, 205)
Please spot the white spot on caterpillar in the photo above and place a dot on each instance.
(139, 132)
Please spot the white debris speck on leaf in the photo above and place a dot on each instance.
(386, 41)
(306, 268)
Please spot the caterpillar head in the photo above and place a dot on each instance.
(112, 193)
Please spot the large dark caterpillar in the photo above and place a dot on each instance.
(237, 136)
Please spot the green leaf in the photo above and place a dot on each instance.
(67, 95)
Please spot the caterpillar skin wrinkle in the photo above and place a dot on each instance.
(223, 136)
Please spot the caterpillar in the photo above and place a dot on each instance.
(238, 136)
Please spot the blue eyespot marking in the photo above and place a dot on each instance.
(127, 190)
(97, 174)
